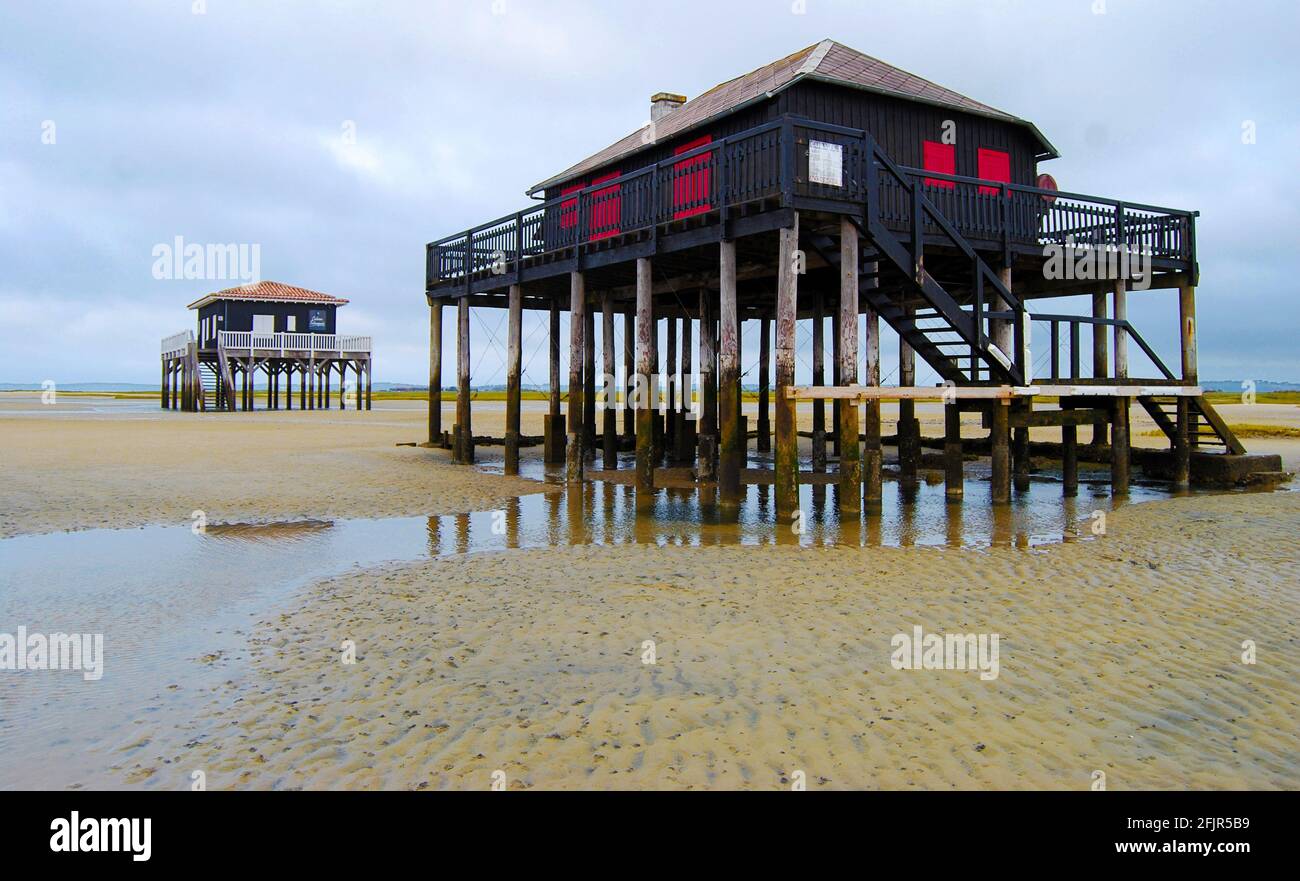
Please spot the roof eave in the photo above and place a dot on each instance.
(736, 108)
(1050, 151)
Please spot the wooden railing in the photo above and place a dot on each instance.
(292, 342)
(772, 160)
(177, 343)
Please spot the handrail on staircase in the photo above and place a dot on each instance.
(922, 208)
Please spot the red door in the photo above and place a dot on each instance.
(691, 180)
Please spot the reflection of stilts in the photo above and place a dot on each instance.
(512, 522)
(434, 529)
(953, 535)
(462, 533)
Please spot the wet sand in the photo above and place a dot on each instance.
(1121, 654)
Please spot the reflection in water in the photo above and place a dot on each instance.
(601, 513)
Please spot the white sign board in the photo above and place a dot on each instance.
(826, 163)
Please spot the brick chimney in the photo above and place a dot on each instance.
(664, 103)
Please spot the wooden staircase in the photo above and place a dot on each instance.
(1206, 428)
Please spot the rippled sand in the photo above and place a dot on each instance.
(1121, 654)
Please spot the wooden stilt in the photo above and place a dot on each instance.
(909, 447)
(836, 379)
(609, 415)
(1119, 451)
(706, 460)
(1182, 448)
(642, 385)
(553, 451)
(730, 441)
(847, 371)
(764, 442)
(685, 427)
(674, 381)
(629, 377)
(1001, 442)
(588, 383)
(577, 355)
(435, 370)
(954, 478)
(1020, 449)
(369, 368)
(514, 359)
(464, 428)
(787, 438)
(1069, 456)
(819, 378)
(872, 456)
(1120, 302)
(1187, 337)
(165, 400)
(288, 386)
(1100, 358)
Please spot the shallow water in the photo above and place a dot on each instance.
(176, 609)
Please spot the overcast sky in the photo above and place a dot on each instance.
(225, 121)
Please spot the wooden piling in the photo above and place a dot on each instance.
(609, 415)
(1069, 456)
(1119, 451)
(1187, 336)
(764, 440)
(1120, 301)
(872, 456)
(909, 445)
(435, 370)
(706, 458)
(554, 434)
(847, 371)
(588, 383)
(1100, 359)
(165, 400)
(641, 386)
(954, 477)
(1001, 454)
(819, 378)
(464, 427)
(629, 376)
(787, 437)
(672, 415)
(685, 450)
(1020, 455)
(577, 355)
(514, 357)
(1182, 448)
(836, 379)
(730, 441)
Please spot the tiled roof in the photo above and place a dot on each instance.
(827, 61)
(270, 291)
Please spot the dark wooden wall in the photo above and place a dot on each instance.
(901, 126)
(238, 315)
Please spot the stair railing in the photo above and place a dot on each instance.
(923, 209)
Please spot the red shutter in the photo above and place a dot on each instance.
(941, 158)
(691, 187)
(569, 207)
(994, 165)
(606, 208)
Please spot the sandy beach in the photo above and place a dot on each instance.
(1120, 653)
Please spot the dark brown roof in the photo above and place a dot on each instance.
(270, 292)
(827, 61)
